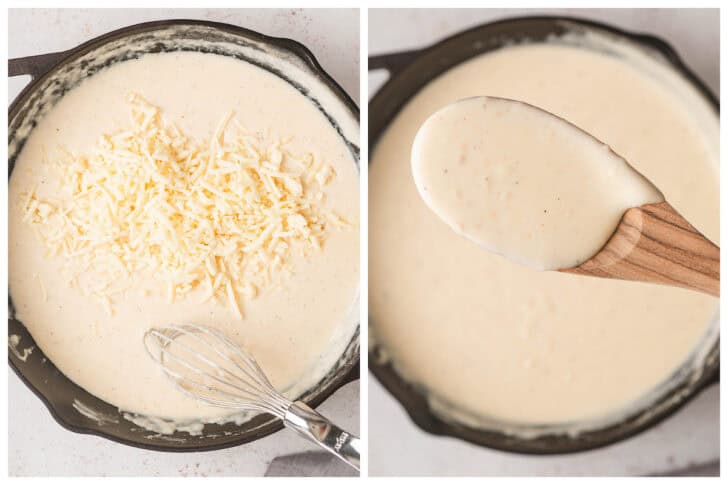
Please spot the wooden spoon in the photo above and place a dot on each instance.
(489, 166)
(655, 244)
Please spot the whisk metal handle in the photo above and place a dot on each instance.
(316, 428)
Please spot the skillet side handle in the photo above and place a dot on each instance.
(394, 62)
(34, 66)
(715, 378)
(353, 373)
(712, 380)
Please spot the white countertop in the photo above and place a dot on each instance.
(689, 438)
(37, 445)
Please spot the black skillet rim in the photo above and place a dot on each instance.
(409, 395)
(302, 53)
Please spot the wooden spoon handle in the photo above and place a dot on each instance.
(655, 244)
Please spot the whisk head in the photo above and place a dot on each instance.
(205, 364)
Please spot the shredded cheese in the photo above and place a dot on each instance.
(224, 215)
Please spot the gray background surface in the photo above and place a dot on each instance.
(688, 439)
(37, 445)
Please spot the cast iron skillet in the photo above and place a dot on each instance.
(53, 75)
(409, 72)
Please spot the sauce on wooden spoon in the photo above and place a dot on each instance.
(524, 183)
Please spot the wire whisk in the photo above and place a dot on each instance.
(205, 364)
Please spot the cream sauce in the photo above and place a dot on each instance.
(523, 183)
(296, 332)
(504, 342)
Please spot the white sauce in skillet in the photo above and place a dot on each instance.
(499, 340)
(296, 332)
(523, 183)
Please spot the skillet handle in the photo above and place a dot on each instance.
(715, 378)
(712, 380)
(394, 62)
(35, 66)
(353, 374)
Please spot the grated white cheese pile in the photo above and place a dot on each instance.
(224, 216)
